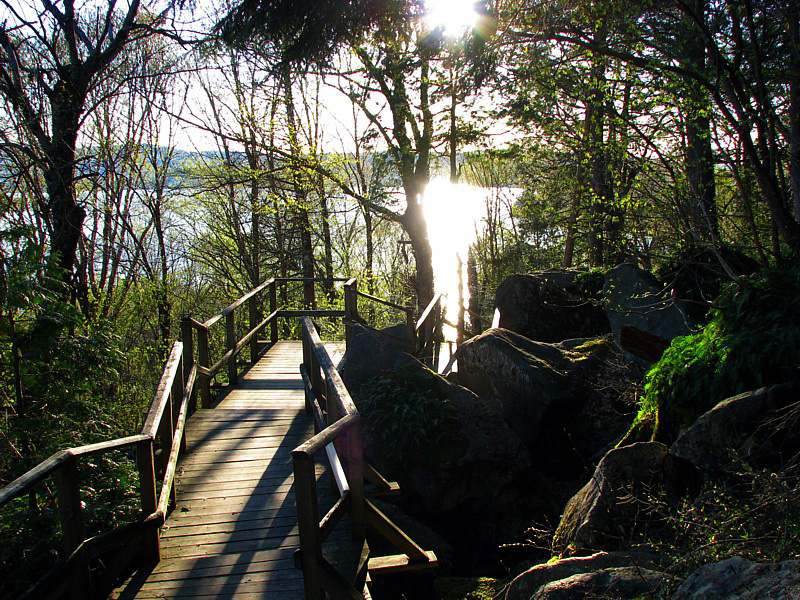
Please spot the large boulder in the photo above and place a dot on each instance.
(525, 585)
(558, 398)
(371, 353)
(608, 511)
(622, 582)
(697, 275)
(552, 305)
(444, 444)
(636, 301)
(738, 577)
(461, 468)
(753, 427)
(522, 378)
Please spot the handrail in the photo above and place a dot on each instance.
(428, 310)
(384, 302)
(237, 303)
(165, 422)
(73, 571)
(340, 435)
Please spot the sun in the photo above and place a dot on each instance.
(453, 16)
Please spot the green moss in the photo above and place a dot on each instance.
(752, 340)
(590, 345)
(463, 588)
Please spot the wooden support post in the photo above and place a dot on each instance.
(230, 344)
(187, 337)
(411, 332)
(72, 529)
(151, 550)
(204, 360)
(252, 307)
(273, 306)
(350, 308)
(355, 478)
(308, 523)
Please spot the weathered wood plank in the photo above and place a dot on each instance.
(233, 530)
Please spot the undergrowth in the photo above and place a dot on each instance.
(752, 340)
(404, 413)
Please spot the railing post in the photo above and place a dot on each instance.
(412, 332)
(72, 529)
(252, 306)
(204, 360)
(308, 523)
(147, 490)
(350, 308)
(273, 306)
(230, 344)
(355, 478)
(188, 361)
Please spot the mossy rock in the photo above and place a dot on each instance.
(751, 341)
(467, 588)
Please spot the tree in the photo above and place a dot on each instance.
(748, 68)
(50, 65)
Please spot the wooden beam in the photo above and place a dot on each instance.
(393, 534)
(398, 563)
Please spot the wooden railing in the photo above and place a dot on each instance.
(422, 334)
(255, 300)
(161, 440)
(163, 427)
(338, 425)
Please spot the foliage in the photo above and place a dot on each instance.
(405, 414)
(752, 340)
(753, 514)
(463, 588)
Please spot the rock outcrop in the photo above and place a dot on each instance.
(738, 577)
(552, 305)
(521, 377)
(634, 298)
(525, 585)
(554, 396)
(369, 354)
(605, 513)
(470, 468)
(753, 427)
(622, 582)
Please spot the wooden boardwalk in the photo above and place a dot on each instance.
(233, 531)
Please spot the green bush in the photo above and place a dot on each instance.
(405, 412)
(752, 340)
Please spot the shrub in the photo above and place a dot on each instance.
(404, 412)
(752, 340)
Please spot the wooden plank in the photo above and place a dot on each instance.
(396, 563)
(234, 528)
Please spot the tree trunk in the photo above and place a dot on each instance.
(301, 197)
(65, 215)
(473, 285)
(702, 211)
